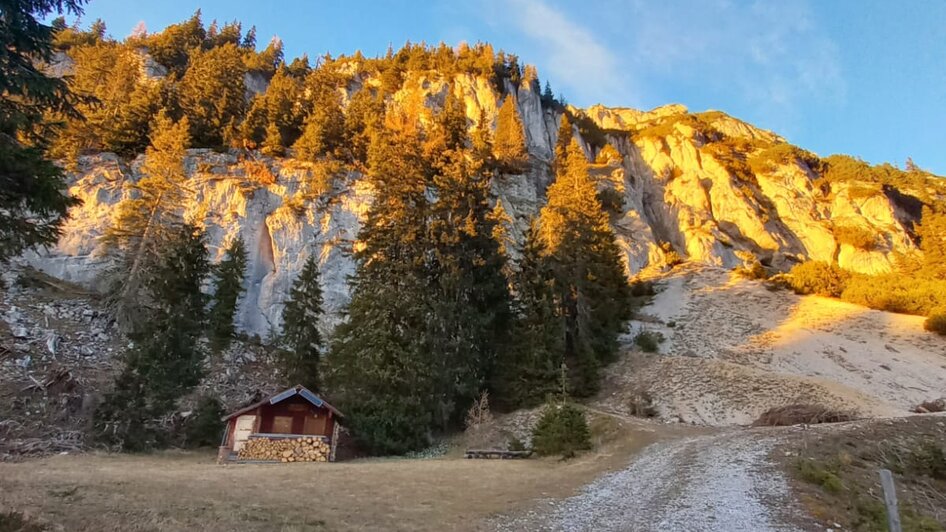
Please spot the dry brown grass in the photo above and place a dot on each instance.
(187, 491)
(834, 472)
(783, 416)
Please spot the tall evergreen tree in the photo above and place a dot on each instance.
(229, 285)
(301, 341)
(590, 280)
(143, 224)
(509, 143)
(211, 94)
(379, 369)
(324, 128)
(365, 114)
(932, 232)
(470, 301)
(565, 136)
(529, 370)
(166, 358)
(32, 203)
(272, 144)
(282, 99)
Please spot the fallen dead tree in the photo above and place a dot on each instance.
(799, 414)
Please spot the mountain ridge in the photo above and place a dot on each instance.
(705, 187)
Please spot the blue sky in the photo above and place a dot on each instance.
(862, 77)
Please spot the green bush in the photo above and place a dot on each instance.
(515, 444)
(819, 474)
(562, 430)
(203, 427)
(936, 323)
(821, 278)
(649, 341)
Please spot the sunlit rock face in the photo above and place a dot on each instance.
(677, 196)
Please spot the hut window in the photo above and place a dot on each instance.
(282, 425)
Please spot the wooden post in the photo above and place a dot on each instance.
(890, 500)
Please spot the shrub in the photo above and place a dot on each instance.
(821, 278)
(819, 474)
(672, 258)
(928, 459)
(203, 428)
(515, 444)
(859, 237)
(895, 292)
(16, 522)
(642, 289)
(258, 172)
(479, 413)
(649, 341)
(611, 200)
(562, 430)
(607, 154)
(642, 405)
(797, 414)
(755, 271)
(936, 323)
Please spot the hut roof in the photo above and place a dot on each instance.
(298, 389)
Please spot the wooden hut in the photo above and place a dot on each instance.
(295, 425)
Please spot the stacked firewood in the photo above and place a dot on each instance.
(301, 449)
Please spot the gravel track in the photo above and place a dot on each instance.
(721, 482)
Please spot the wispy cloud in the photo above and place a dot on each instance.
(772, 56)
(767, 53)
(573, 55)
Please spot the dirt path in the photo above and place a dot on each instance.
(722, 482)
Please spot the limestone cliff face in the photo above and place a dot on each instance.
(678, 195)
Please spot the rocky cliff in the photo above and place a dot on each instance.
(700, 186)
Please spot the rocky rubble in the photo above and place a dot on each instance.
(59, 352)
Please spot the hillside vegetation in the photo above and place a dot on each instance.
(482, 251)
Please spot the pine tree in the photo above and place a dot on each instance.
(301, 342)
(166, 358)
(249, 41)
(229, 286)
(548, 99)
(324, 128)
(364, 115)
(932, 233)
(379, 370)
(272, 145)
(529, 370)
(211, 93)
(590, 281)
(32, 203)
(471, 303)
(172, 46)
(482, 140)
(253, 129)
(509, 143)
(281, 100)
(145, 223)
(564, 139)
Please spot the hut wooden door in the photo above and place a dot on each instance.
(244, 427)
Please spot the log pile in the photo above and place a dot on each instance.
(301, 449)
